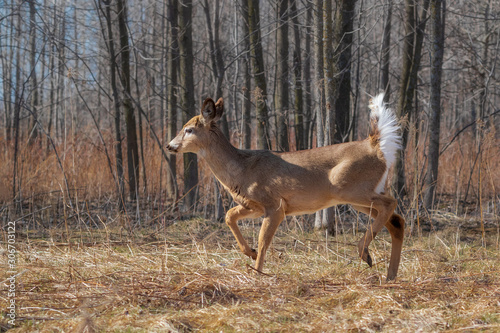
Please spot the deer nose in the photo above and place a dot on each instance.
(171, 149)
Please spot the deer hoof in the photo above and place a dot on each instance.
(253, 254)
(390, 277)
(365, 255)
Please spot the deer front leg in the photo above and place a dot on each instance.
(232, 217)
(269, 226)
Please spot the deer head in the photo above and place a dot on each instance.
(195, 133)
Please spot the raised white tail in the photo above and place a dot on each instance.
(384, 131)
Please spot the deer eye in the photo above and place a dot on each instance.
(189, 130)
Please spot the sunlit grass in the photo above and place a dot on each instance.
(190, 276)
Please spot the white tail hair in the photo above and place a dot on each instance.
(389, 138)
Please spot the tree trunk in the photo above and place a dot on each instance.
(7, 79)
(74, 107)
(219, 61)
(173, 66)
(324, 218)
(17, 111)
(52, 93)
(319, 72)
(141, 134)
(281, 94)
(132, 146)
(357, 78)
(330, 90)
(412, 49)
(329, 75)
(485, 75)
(61, 63)
(437, 49)
(300, 138)
(319, 96)
(247, 103)
(187, 96)
(150, 82)
(117, 114)
(164, 76)
(260, 92)
(33, 131)
(218, 72)
(386, 48)
(217, 58)
(308, 114)
(405, 96)
(343, 34)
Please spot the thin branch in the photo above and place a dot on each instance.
(463, 129)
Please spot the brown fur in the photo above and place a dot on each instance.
(274, 185)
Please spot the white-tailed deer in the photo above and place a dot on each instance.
(274, 185)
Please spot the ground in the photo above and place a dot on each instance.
(189, 276)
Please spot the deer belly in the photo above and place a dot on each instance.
(310, 207)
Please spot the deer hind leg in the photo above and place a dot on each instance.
(269, 226)
(232, 217)
(396, 227)
(381, 207)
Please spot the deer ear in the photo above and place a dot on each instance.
(219, 108)
(208, 111)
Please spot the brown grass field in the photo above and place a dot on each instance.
(187, 275)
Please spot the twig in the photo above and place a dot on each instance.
(463, 129)
(255, 269)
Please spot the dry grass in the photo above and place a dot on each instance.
(465, 167)
(190, 277)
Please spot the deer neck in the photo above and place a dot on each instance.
(223, 158)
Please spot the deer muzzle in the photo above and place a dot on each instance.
(172, 148)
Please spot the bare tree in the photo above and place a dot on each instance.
(343, 35)
(173, 65)
(116, 105)
(412, 50)
(319, 95)
(324, 68)
(300, 135)
(33, 132)
(18, 100)
(60, 92)
(437, 50)
(308, 107)
(386, 53)
(52, 66)
(260, 91)
(282, 87)
(130, 123)
(188, 108)
(6, 61)
(247, 68)
(218, 68)
(329, 81)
